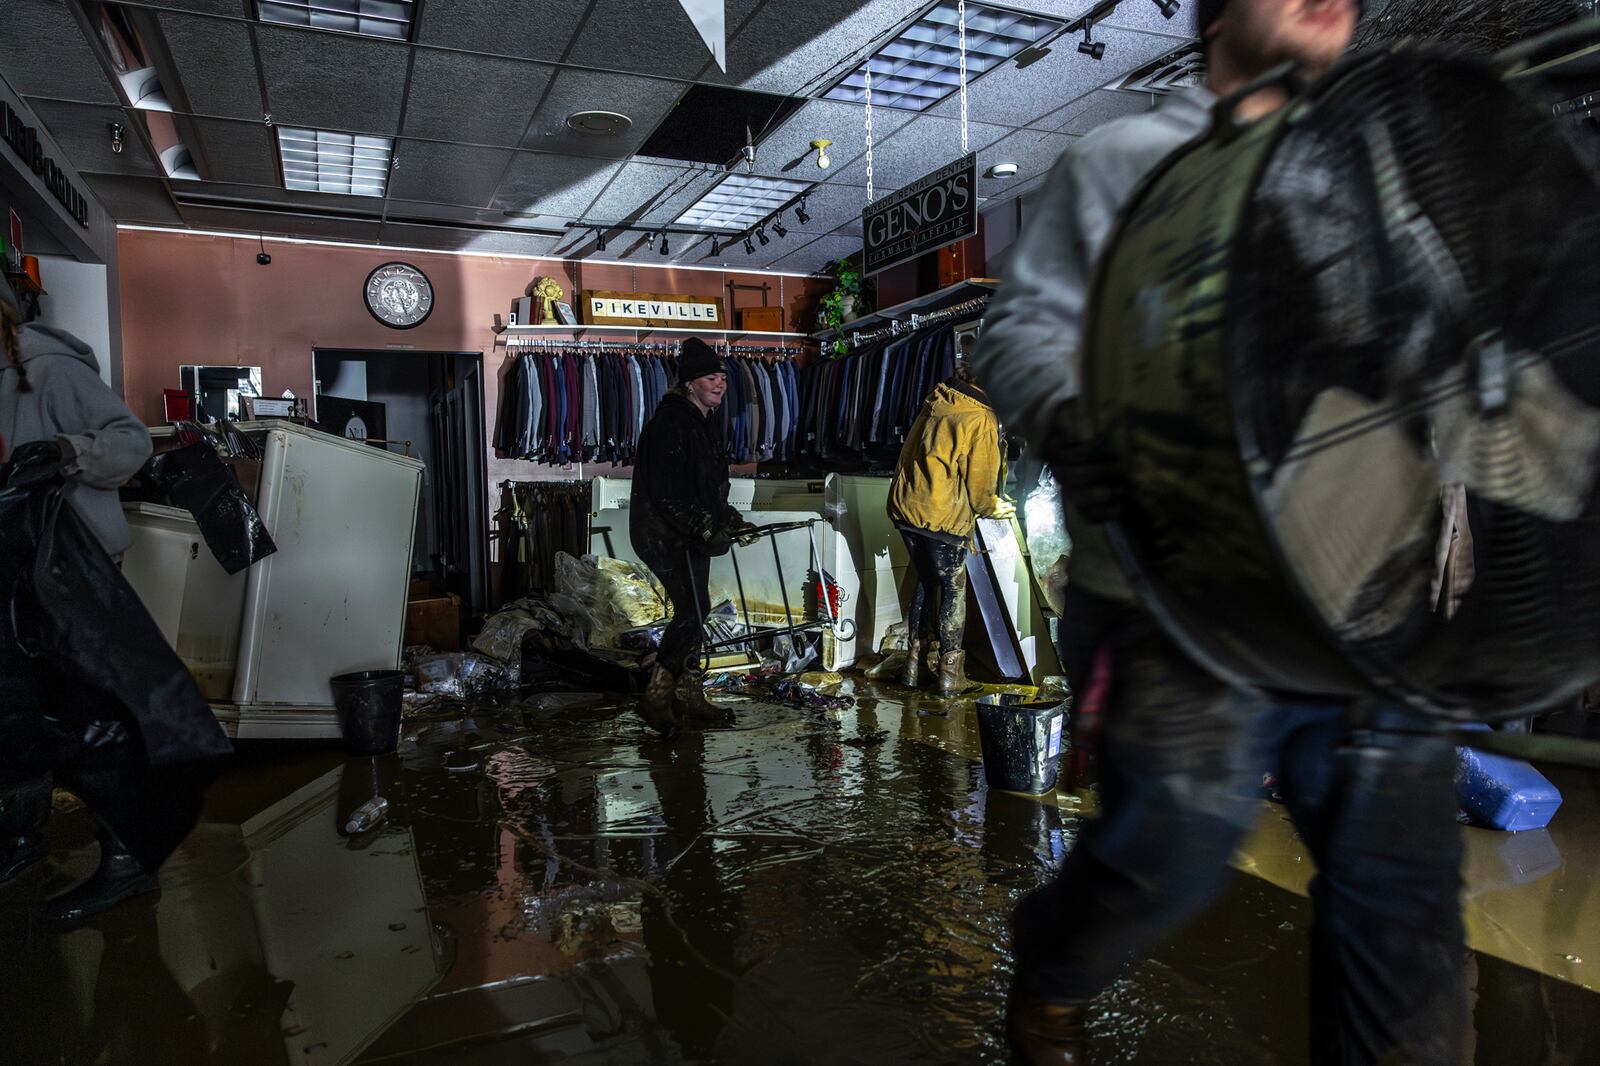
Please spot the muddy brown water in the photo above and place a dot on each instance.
(555, 884)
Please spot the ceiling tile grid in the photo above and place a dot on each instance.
(504, 27)
(216, 65)
(446, 173)
(787, 153)
(335, 81)
(84, 133)
(286, 225)
(43, 53)
(1095, 109)
(654, 38)
(652, 193)
(238, 152)
(1033, 152)
(135, 199)
(646, 101)
(555, 186)
(799, 49)
(921, 146)
(457, 96)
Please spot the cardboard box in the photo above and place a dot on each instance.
(421, 589)
(435, 622)
(761, 319)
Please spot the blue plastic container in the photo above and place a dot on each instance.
(1504, 793)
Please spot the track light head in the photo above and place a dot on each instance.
(779, 228)
(761, 235)
(716, 249)
(599, 239)
(800, 213)
(1091, 48)
(749, 249)
(1168, 8)
(665, 248)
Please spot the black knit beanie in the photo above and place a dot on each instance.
(696, 359)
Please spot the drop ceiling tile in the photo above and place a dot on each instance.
(1020, 97)
(238, 152)
(644, 100)
(447, 173)
(1033, 152)
(646, 192)
(273, 197)
(210, 7)
(450, 239)
(798, 49)
(473, 99)
(655, 38)
(84, 133)
(811, 258)
(279, 224)
(830, 206)
(216, 65)
(502, 27)
(921, 146)
(1095, 109)
(787, 153)
(557, 186)
(1145, 15)
(43, 53)
(334, 81)
(134, 199)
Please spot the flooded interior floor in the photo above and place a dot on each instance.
(555, 884)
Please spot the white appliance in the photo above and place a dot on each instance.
(332, 599)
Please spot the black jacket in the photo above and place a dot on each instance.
(680, 484)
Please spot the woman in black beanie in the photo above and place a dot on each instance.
(679, 519)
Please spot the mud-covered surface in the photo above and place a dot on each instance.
(554, 884)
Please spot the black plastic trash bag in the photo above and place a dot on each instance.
(65, 607)
(196, 480)
(552, 663)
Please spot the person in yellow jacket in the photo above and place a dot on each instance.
(947, 477)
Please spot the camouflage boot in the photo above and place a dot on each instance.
(655, 706)
(689, 698)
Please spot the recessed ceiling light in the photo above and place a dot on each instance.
(1003, 170)
(922, 65)
(740, 200)
(599, 123)
(390, 19)
(343, 163)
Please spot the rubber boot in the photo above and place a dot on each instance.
(952, 679)
(24, 811)
(689, 699)
(118, 877)
(1047, 1034)
(655, 706)
(911, 673)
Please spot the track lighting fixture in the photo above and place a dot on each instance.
(800, 213)
(779, 228)
(1168, 8)
(665, 248)
(599, 239)
(116, 138)
(749, 249)
(1090, 48)
(761, 235)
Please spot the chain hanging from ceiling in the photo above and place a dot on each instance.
(869, 130)
(961, 30)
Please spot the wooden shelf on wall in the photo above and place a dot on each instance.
(949, 296)
(636, 331)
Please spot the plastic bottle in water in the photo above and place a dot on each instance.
(366, 816)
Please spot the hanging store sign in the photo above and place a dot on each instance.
(940, 209)
(606, 308)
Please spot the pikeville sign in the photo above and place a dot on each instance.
(940, 209)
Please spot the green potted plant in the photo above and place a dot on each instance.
(849, 299)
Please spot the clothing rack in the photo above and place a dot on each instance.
(961, 312)
(536, 520)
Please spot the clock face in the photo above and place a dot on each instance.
(356, 428)
(399, 295)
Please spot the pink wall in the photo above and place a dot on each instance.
(196, 299)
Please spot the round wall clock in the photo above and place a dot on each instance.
(399, 295)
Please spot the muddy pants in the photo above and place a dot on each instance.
(941, 569)
(1181, 771)
(686, 575)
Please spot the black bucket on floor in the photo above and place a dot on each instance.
(369, 704)
(1021, 738)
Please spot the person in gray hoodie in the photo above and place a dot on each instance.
(55, 407)
(58, 416)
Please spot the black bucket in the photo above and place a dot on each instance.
(369, 704)
(1021, 738)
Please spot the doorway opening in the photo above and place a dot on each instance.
(428, 405)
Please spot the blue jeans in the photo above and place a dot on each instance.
(1181, 769)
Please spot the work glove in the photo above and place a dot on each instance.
(1004, 510)
(1090, 477)
(718, 543)
(745, 533)
(36, 463)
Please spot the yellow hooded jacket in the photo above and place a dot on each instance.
(949, 468)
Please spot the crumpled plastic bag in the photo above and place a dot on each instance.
(894, 639)
(604, 597)
(1049, 544)
(462, 676)
(501, 638)
(196, 480)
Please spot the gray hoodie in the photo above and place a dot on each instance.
(68, 401)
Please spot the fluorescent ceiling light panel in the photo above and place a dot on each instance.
(922, 65)
(370, 18)
(343, 163)
(739, 201)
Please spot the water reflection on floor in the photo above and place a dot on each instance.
(554, 884)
